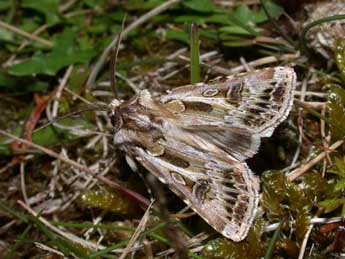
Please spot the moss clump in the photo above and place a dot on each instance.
(108, 201)
(336, 109)
(284, 199)
(251, 247)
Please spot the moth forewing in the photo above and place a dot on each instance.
(196, 137)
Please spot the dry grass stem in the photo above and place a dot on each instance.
(305, 241)
(139, 229)
(26, 34)
(301, 170)
(313, 105)
(49, 249)
(59, 90)
(263, 61)
(77, 96)
(22, 182)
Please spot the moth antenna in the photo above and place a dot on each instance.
(113, 60)
(95, 108)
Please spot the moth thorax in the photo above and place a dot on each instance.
(114, 103)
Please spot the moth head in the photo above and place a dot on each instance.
(115, 114)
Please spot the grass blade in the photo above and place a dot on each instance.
(194, 59)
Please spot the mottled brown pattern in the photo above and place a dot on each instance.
(238, 177)
(175, 106)
(177, 177)
(198, 107)
(240, 209)
(238, 217)
(245, 199)
(174, 160)
(155, 149)
(278, 93)
(234, 94)
(200, 189)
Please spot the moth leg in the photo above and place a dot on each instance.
(132, 164)
(134, 167)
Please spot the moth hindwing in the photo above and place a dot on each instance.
(195, 139)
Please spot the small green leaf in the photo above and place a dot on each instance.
(218, 18)
(340, 166)
(181, 36)
(199, 19)
(247, 16)
(202, 6)
(46, 137)
(274, 10)
(202, 19)
(52, 135)
(63, 54)
(339, 185)
(331, 205)
(48, 7)
(95, 4)
(141, 5)
(237, 30)
(6, 35)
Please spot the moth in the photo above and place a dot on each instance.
(196, 139)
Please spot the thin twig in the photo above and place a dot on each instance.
(113, 60)
(137, 232)
(300, 121)
(262, 61)
(49, 249)
(98, 66)
(77, 96)
(59, 90)
(134, 87)
(325, 140)
(22, 181)
(64, 7)
(26, 34)
(313, 221)
(309, 93)
(313, 105)
(305, 240)
(300, 171)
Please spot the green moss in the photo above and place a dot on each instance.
(340, 56)
(283, 199)
(108, 201)
(251, 247)
(336, 110)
